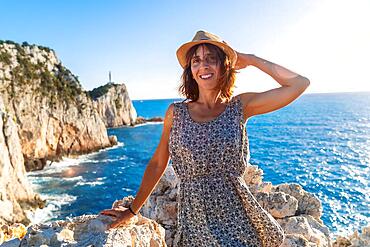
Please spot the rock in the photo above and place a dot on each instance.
(16, 194)
(141, 120)
(354, 240)
(308, 203)
(296, 240)
(113, 140)
(308, 227)
(54, 115)
(278, 204)
(113, 104)
(92, 230)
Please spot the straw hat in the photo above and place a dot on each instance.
(205, 37)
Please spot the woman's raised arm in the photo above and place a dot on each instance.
(292, 86)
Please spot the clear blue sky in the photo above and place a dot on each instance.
(326, 41)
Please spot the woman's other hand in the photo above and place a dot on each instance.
(121, 216)
(244, 60)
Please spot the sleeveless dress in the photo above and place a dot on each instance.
(209, 159)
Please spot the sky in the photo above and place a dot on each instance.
(326, 41)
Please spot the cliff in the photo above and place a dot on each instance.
(113, 104)
(16, 195)
(55, 116)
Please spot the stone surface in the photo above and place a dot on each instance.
(16, 194)
(354, 240)
(92, 230)
(114, 106)
(308, 203)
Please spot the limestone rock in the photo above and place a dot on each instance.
(91, 230)
(55, 117)
(296, 240)
(354, 240)
(308, 227)
(308, 203)
(278, 204)
(113, 104)
(16, 194)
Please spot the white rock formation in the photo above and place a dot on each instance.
(55, 117)
(114, 105)
(91, 230)
(16, 194)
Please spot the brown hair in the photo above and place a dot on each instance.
(189, 87)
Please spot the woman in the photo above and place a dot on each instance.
(206, 140)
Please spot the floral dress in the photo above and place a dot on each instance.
(215, 206)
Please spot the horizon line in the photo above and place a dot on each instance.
(301, 95)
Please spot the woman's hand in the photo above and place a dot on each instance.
(243, 60)
(121, 215)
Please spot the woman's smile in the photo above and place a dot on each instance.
(206, 76)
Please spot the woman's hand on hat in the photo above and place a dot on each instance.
(121, 216)
(243, 60)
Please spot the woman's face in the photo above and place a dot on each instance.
(205, 68)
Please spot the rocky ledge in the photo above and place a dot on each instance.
(297, 211)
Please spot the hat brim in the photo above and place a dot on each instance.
(183, 50)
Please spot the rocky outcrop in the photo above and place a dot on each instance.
(55, 117)
(296, 210)
(141, 120)
(16, 195)
(354, 240)
(90, 230)
(114, 105)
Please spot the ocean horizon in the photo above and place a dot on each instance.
(320, 141)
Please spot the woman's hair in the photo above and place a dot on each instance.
(189, 87)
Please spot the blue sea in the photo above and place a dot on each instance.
(320, 141)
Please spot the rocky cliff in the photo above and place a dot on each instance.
(16, 194)
(114, 105)
(55, 116)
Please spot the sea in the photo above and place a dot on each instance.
(320, 141)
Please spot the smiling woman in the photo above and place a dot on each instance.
(207, 142)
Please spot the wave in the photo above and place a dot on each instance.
(50, 211)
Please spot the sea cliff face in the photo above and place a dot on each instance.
(113, 104)
(55, 116)
(16, 194)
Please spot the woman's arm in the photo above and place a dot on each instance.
(153, 172)
(157, 165)
(292, 85)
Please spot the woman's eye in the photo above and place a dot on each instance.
(212, 59)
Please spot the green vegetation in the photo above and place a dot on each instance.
(5, 57)
(118, 103)
(60, 85)
(24, 44)
(99, 91)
